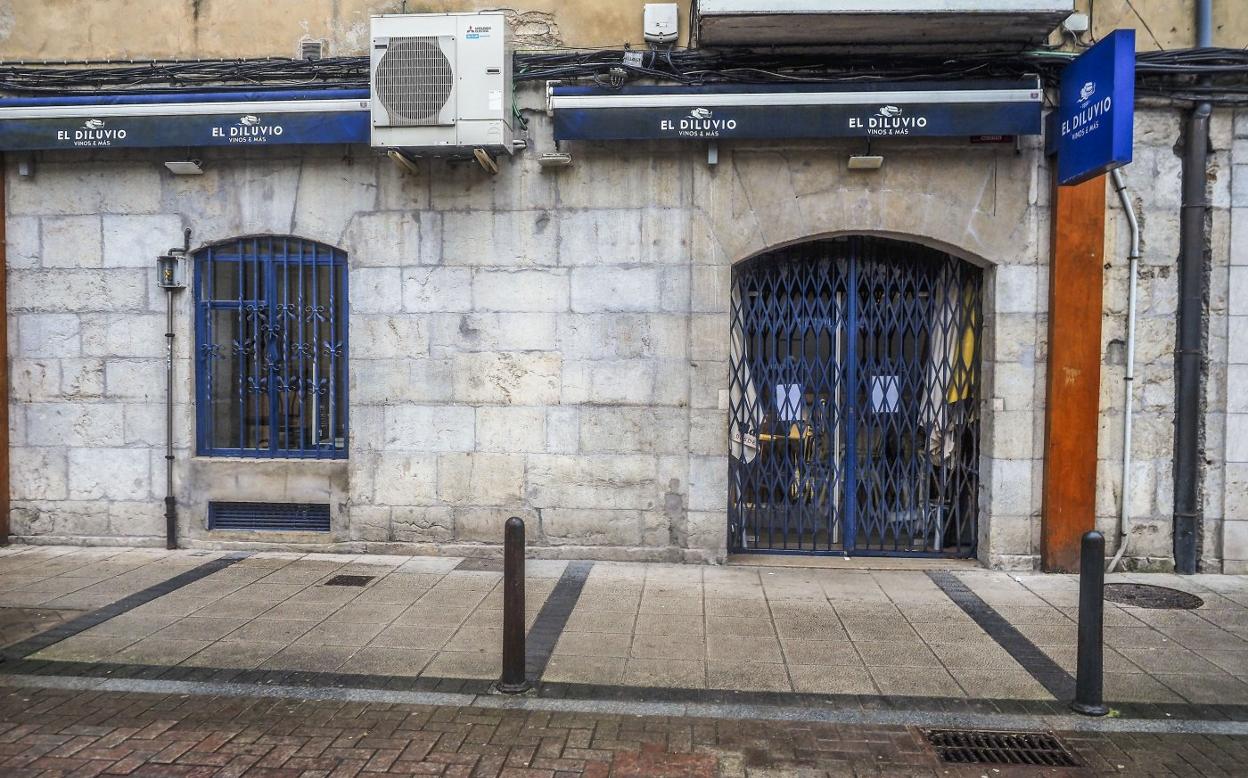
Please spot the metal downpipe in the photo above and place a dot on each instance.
(1133, 261)
(1190, 354)
(171, 504)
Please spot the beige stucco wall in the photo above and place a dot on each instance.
(122, 29)
(73, 29)
(1167, 24)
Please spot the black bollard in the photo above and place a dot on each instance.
(512, 680)
(1090, 678)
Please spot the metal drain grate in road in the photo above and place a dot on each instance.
(1150, 596)
(350, 580)
(971, 746)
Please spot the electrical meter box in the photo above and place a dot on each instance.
(662, 22)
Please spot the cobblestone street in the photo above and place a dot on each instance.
(61, 732)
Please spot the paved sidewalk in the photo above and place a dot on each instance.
(751, 629)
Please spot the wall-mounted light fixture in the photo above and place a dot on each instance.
(555, 159)
(186, 167)
(866, 162)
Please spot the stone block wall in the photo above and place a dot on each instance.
(549, 344)
(1155, 181)
(1233, 336)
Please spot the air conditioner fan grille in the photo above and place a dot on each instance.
(414, 80)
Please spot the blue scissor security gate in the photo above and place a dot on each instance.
(854, 399)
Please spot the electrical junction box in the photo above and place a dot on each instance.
(662, 22)
(441, 83)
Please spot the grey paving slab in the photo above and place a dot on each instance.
(820, 652)
(822, 679)
(678, 673)
(915, 681)
(743, 648)
(463, 664)
(85, 648)
(738, 607)
(673, 647)
(159, 651)
(233, 655)
(570, 668)
(311, 658)
(1168, 660)
(665, 624)
(413, 636)
(478, 639)
(999, 684)
(339, 633)
(748, 676)
(981, 654)
(195, 628)
(732, 626)
(271, 630)
(600, 644)
(376, 660)
(434, 616)
(914, 653)
(584, 620)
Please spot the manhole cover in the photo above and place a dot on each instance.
(350, 580)
(976, 746)
(1149, 596)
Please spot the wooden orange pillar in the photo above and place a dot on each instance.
(1076, 284)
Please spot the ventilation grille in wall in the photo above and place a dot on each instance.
(272, 516)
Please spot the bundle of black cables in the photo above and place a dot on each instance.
(1216, 75)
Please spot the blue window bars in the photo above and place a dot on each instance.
(271, 349)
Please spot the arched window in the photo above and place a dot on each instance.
(271, 348)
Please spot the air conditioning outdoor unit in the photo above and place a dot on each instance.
(441, 83)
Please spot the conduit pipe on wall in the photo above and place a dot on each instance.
(1190, 351)
(1128, 378)
(4, 372)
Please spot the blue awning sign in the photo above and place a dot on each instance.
(797, 111)
(1096, 117)
(139, 121)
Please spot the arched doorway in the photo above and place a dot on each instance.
(854, 400)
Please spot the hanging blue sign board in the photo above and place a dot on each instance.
(1096, 117)
(725, 112)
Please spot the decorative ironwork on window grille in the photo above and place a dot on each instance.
(854, 397)
(271, 348)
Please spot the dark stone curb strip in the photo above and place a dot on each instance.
(570, 691)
